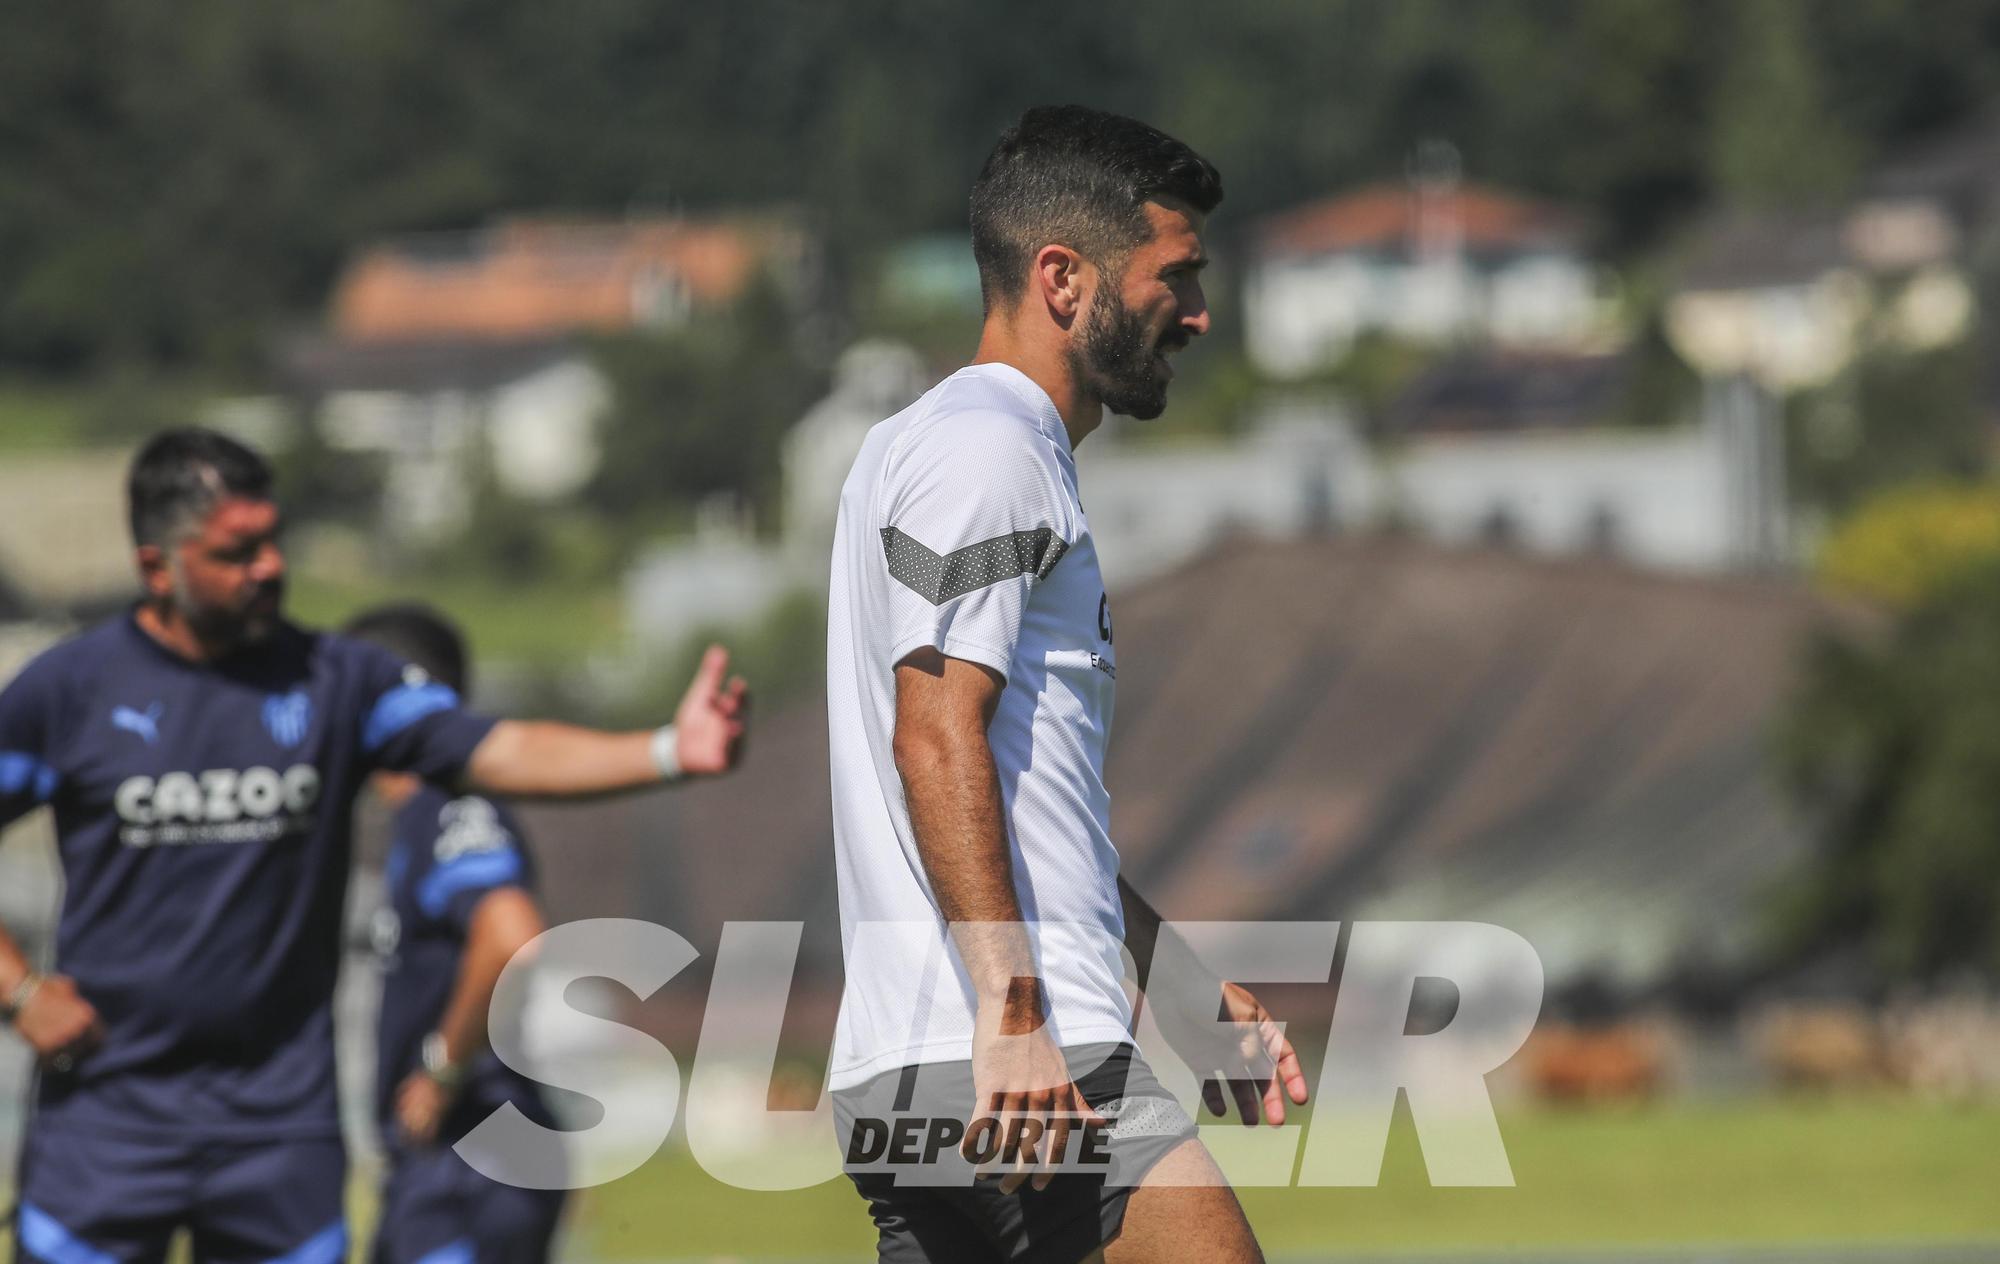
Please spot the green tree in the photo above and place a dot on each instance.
(176, 181)
(1774, 139)
(1911, 542)
(1893, 416)
(703, 410)
(1890, 746)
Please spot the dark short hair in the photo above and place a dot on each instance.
(1080, 178)
(180, 475)
(416, 634)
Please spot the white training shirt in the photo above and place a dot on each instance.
(960, 528)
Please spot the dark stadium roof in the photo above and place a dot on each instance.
(1339, 728)
(1572, 749)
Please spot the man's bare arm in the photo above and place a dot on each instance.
(503, 922)
(952, 786)
(542, 758)
(943, 706)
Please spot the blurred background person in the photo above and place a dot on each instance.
(460, 904)
(202, 755)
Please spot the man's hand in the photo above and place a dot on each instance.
(420, 1106)
(1021, 1084)
(58, 1024)
(709, 725)
(535, 758)
(1244, 1048)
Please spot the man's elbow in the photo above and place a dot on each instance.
(921, 750)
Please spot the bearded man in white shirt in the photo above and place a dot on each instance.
(971, 674)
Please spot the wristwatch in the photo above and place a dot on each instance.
(438, 1064)
(14, 1002)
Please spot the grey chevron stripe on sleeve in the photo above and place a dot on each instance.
(938, 578)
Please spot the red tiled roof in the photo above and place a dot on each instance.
(539, 278)
(1384, 217)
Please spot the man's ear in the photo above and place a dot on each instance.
(1062, 278)
(155, 574)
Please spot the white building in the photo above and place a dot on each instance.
(1530, 463)
(1789, 298)
(1538, 470)
(1705, 497)
(1151, 505)
(447, 413)
(1432, 262)
(1154, 506)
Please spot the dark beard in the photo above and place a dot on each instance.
(1113, 358)
(226, 629)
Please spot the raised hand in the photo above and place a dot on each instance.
(712, 718)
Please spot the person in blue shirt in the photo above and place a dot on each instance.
(202, 755)
(459, 904)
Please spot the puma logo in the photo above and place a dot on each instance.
(145, 723)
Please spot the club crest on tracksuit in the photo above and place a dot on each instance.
(287, 716)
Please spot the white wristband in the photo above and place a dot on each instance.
(438, 1064)
(24, 991)
(667, 752)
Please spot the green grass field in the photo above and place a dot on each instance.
(1762, 1173)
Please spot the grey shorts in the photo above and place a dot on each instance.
(899, 1137)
